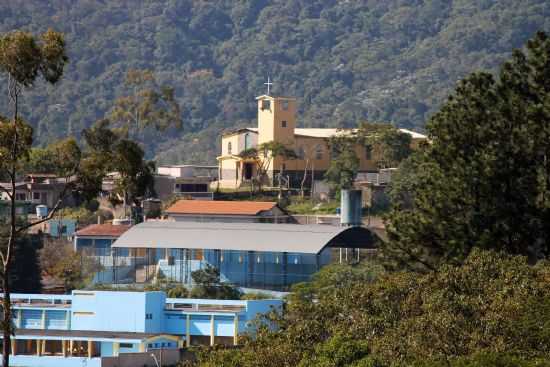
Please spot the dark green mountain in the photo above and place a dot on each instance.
(346, 60)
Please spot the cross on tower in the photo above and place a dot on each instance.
(269, 84)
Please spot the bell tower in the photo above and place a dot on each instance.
(276, 119)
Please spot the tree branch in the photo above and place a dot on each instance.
(51, 214)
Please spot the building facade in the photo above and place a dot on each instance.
(96, 328)
(277, 122)
(270, 256)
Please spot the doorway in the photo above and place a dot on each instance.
(248, 171)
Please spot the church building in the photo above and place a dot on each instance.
(277, 122)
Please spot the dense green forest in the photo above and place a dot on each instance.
(346, 61)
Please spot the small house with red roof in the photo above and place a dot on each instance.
(98, 236)
(227, 211)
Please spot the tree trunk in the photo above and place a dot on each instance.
(302, 184)
(6, 318)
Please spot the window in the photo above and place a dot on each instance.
(368, 153)
(36, 196)
(283, 167)
(247, 142)
(148, 316)
(300, 153)
(319, 152)
(229, 148)
(285, 105)
(126, 345)
(266, 104)
(283, 123)
(20, 196)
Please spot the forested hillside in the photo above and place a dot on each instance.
(346, 60)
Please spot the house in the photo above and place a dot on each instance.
(99, 236)
(186, 180)
(227, 211)
(277, 122)
(40, 189)
(253, 255)
(101, 328)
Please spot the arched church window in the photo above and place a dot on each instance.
(229, 148)
(247, 142)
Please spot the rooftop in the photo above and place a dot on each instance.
(106, 229)
(260, 237)
(220, 207)
(325, 132)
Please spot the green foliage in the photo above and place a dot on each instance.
(484, 180)
(263, 155)
(26, 275)
(304, 206)
(344, 60)
(149, 105)
(24, 57)
(177, 292)
(61, 262)
(110, 153)
(344, 165)
(491, 309)
(255, 295)
(207, 284)
(388, 145)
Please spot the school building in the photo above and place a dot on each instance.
(101, 328)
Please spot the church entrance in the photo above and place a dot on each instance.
(248, 171)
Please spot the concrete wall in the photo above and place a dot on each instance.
(53, 361)
(108, 311)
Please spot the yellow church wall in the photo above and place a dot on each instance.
(234, 140)
(270, 120)
(310, 145)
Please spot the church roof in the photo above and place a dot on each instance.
(325, 133)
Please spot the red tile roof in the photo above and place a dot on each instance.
(220, 207)
(106, 229)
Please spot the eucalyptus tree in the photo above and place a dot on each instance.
(147, 104)
(25, 58)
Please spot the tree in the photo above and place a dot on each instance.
(391, 145)
(484, 179)
(148, 105)
(207, 284)
(23, 58)
(344, 163)
(493, 304)
(263, 156)
(59, 261)
(110, 153)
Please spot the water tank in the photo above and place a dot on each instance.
(41, 211)
(351, 206)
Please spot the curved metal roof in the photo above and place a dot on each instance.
(262, 237)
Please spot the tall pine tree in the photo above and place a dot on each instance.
(483, 181)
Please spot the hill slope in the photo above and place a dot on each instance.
(345, 60)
